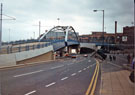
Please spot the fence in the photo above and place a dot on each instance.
(19, 48)
(14, 48)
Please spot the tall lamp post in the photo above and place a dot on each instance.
(1, 27)
(58, 20)
(1, 19)
(103, 25)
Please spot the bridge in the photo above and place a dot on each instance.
(60, 37)
(58, 40)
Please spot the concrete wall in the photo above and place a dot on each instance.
(44, 57)
(26, 56)
(7, 60)
(88, 45)
(32, 53)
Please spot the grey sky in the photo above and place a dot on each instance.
(77, 13)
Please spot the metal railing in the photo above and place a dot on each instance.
(21, 47)
(15, 48)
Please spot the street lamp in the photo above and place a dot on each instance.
(103, 24)
(1, 19)
(58, 20)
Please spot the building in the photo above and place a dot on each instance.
(97, 37)
(128, 36)
(123, 40)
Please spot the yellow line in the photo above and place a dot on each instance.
(88, 90)
(94, 86)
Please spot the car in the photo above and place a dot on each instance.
(66, 55)
(73, 55)
(85, 55)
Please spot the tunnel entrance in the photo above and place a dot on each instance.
(86, 50)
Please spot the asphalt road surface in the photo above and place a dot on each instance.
(70, 76)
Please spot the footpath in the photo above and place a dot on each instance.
(115, 79)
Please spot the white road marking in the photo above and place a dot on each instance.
(89, 61)
(28, 73)
(30, 92)
(80, 71)
(84, 69)
(73, 74)
(70, 64)
(50, 84)
(57, 67)
(64, 78)
(88, 66)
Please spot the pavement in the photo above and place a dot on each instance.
(115, 79)
(70, 76)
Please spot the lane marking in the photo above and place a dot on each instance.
(50, 84)
(30, 92)
(73, 74)
(90, 85)
(80, 71)
(57, 67)
(70, 63)
(84, 69)
(25, 74)
(64, 78)
(94, 85)
(88, 67)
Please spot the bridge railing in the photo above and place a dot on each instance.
(19, 48)
(22, 47)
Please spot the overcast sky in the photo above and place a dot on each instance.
(76, 13)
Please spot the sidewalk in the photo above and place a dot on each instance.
(115, 80)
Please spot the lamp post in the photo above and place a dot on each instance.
(102, 24)
(1, 19)
(1, 27)
(58, 20)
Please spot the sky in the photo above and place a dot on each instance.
(76, 13)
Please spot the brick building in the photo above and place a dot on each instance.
(128, 35)
(124, 40)
(97, 37)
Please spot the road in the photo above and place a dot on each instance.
(70, 76)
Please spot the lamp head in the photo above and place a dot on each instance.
(94, 10)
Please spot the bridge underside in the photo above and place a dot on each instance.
(85, 50)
